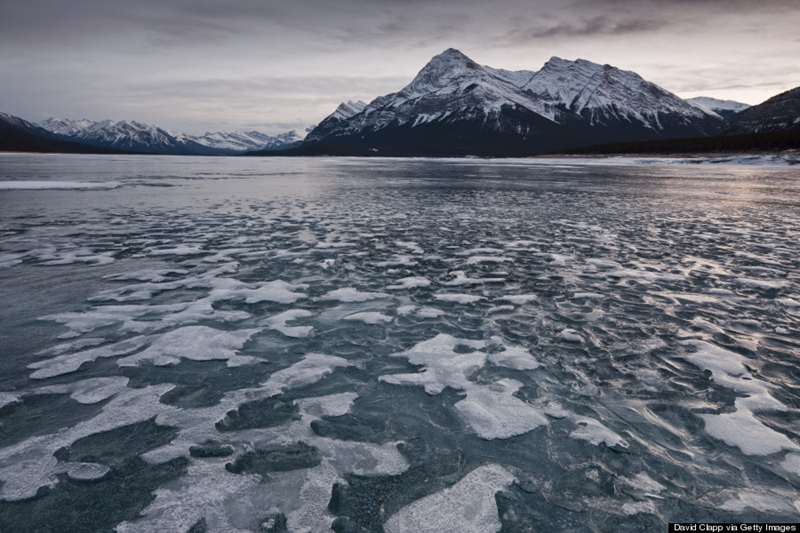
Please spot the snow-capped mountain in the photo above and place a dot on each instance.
(123, 135)
(244, 141)
(137, 137)
(726, 109)
(781, 112)
(18, 135)
(66, 127)
(455, 106)
(331, 122)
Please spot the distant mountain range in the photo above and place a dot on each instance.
(142, 138)
(18, 135)
(455, 107)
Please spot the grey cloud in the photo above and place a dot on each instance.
(114, 59)
(595, 26)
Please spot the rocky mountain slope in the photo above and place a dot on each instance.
(781, 112)
(456, 107)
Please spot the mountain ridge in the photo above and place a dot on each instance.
(454, 106)
(144, 138)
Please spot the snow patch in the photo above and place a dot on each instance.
(467, 507)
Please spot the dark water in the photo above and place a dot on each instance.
(225, 344)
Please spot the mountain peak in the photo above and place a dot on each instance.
(452, 53)
(449, 68)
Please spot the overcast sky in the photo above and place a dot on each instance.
(275, 65)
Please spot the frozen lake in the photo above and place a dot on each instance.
(270, 345)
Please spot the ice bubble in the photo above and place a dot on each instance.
(466, 507)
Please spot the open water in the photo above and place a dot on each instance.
(270, 345)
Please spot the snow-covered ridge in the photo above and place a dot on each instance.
(135, 136)
(244, 141)
(348, 109)
(712, 105)
(725, 109)
(452, 87)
